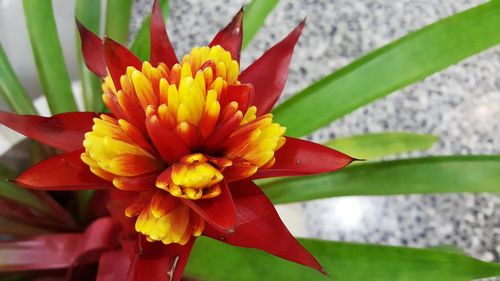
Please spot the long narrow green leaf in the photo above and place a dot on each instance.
(118, 13)
(410, 176)
(378, 145)
(256, 13)
(215, 261)
(11, 89)
(392, 67)
(141, 44)
(48, 55)
(21, 196)
(88, 12)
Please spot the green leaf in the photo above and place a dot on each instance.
(448, 248)
(390, 68)
(409, 176)
(12, 227)
(6, 173)
(48, 55)
(88, 12)
(141, 44)
(378, 145)
(256, 13)
(11, 89)
(22, 196)
(214, 261)
(118, 13)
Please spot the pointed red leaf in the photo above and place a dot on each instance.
(63, 131)
(62, 172)
(268, 74)
(231, 37)
(160, 262)
(118, 58)
(161, 48)
(300, 157)
(218, 211)
(259, 226)
(92, 51)
(58, 250)
(113, 265)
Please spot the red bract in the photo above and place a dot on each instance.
(178, 152)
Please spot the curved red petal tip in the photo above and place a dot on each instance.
(62, 172)
(63, 131)
(161, 47)
(118, 58)
(231, 37)
(259, 226)
(268, 74)
(92, 50)
(300, 157)
(219, 212)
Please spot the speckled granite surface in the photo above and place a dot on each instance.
(461, 105)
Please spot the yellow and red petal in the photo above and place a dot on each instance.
(242, 94)
(231, 37)
(169, 144)
(299, 157)
(161, 48)
(137, 183)
(268, 74)
(62, 172)
(92, 51)
(255, 212)
(63, 131)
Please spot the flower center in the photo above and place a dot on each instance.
(178, 133)
(193, 178)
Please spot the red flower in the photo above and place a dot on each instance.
(180, 149)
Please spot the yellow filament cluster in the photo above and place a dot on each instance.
(193, 178)
(110, 151)
(165, 219)
(256, 142)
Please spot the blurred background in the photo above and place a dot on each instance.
(460, 105)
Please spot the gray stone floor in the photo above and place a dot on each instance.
(461, 105)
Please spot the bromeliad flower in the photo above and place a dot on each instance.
(180, 148)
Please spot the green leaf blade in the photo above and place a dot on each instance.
(11, 89)
(410, 176)
(212, 260)
(256, 13)
(118, 13)
(141, 45)
(378, 145)
(48, 55)
(390, 68)
(88, 12)
(22, 196)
